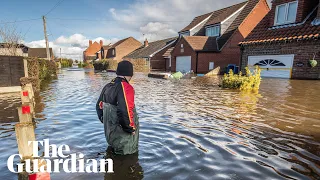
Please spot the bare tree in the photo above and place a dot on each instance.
(10, 39)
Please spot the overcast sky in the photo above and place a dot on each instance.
(73, 22)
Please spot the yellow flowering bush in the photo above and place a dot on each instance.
(249, 82)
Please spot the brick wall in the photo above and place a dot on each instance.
(230, 54)
(303, 52)
(187, 51)
(126, 48)
(158, 62)
(11, 70)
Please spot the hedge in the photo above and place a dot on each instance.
(39, 70)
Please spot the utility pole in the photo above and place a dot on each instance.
(46, 36)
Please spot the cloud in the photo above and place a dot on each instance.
(160, 19)
(156, 31)
(71, 47)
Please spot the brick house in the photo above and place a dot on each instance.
(212, 39)
(122, 48)
(102, 53)
(90, 53)
(152, 53)
(285, 40)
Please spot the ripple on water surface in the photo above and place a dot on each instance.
(190, 129)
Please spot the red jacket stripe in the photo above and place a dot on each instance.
(128, 93)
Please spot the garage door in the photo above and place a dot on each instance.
(183, 64)
(278, 66)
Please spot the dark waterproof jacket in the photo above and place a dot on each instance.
(115, 109)
(120, 94)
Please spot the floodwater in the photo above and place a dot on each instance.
(190, 129)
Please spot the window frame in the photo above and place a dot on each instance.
(211, 28)
(209, 65)
(286, 13)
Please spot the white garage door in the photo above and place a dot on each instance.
(183, 64)
(279, 66)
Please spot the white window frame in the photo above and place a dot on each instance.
(286, 13)
(113, 52)
(211, 27)
(210, 64)
(181, 45)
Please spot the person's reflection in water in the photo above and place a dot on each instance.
(124, 166)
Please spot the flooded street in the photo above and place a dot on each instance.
(189, 129)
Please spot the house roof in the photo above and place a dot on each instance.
(168, 52)
(119, 42)
(143, 52)
(202, 43)
(39, 52)
(196, 21)
(264, 33)
(237, 22)
(107, 47)
(221, 14)
(215, 16)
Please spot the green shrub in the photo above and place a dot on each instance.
(101, 65)
(249, 82)
(65, 63)
(39, 70)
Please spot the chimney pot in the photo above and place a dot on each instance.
(146, 43)
(90, 42)
(101, 43)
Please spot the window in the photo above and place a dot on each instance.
(113, 52)
(271, 62)
(211, 65)
(213, 31)
(181, 45)
(187, 33)
(286, 13)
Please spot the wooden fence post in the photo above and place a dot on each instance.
(25, 133)
(25, 66)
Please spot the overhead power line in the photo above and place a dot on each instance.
(54, 7)
(101, 20)
(26, 20)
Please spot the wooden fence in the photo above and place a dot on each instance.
(12, 68)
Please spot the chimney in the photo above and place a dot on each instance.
(101, 43)
(90, 43)
(146, 43)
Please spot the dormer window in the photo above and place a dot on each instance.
(187, 33)
(286, 13)
(213, 31)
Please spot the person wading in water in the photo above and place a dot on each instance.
(116, 110)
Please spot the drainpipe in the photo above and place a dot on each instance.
(197, 63)
(241, 54)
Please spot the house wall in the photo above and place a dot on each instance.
(11, 70)
(158, 62)
(304, 8)
(230, 54)
(126, 48)
(8, 52)
(188, 51)
(303, 51)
